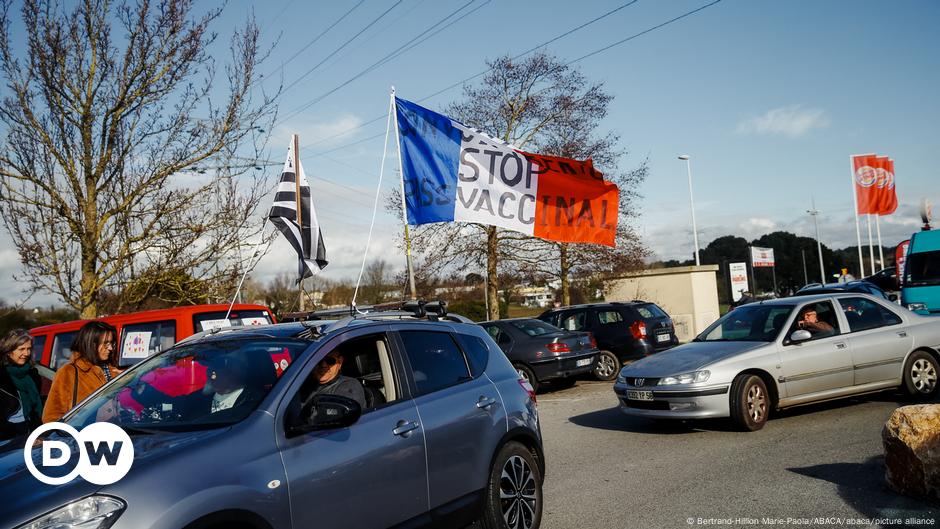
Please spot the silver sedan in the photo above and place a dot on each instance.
(786, 352)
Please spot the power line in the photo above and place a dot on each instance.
(314, 40)
(461, 82)
(390, 56)
(343, 45)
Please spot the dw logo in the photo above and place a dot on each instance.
(105, 453)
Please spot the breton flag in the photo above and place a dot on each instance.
(305, 237)
(874, 184)
(453, 173)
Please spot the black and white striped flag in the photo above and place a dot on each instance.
(305, 237)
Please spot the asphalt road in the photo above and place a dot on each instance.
(608, 470)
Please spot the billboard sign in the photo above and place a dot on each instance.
(762, 257)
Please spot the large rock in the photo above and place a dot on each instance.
(912, 450)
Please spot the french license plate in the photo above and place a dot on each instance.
(662, 337)
(584, 362)
(639, 395)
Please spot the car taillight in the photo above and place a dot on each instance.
(593, 341)
(556, 347)
(528, 389)
(638, 330)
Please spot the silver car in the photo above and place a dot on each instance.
(786, 352)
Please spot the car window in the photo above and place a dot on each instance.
(607, 317)
(366, 359)
(436, 361)
(60, 349)
(140, 340)
(863, 314)
(39, 343)
(818, 318)
(748, 323)
(478, 353)
(203, 385)
(574, 321)
(650, 311)
(206, 321)
(534, 327)
(922, 268)
(497, 334)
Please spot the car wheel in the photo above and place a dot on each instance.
(526, 374)
(606, 366)
(749, 403)
(920, 374)
(514, 492)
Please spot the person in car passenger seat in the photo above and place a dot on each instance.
(331, 382)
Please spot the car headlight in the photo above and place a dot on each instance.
(93, 512)
(686, 378)
(916, 306)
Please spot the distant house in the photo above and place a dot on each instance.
(536, 296)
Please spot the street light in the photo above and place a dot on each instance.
(688, 166)
(814, 213)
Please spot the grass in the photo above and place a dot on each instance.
(519, 311)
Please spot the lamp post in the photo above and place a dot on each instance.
(688, 166)
(822, 270)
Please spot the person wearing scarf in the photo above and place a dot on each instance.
(20, 402)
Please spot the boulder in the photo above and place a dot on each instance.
(911, 439)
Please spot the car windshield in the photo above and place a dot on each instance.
(196, 386)
(748, 323)
(923, 268)
(534, 327)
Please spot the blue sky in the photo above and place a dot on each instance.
(768, 98)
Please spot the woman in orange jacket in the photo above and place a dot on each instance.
(89, 368)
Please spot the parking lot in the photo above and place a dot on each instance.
(606, 469)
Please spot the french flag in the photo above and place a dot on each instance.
(453, 173)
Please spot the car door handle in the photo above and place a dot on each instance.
(485, 403)
(840, 345)
(404, 427)
(902, 334)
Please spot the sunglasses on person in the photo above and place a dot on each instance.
(329, 361)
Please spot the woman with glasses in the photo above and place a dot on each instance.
(20, 403)
(89, 368)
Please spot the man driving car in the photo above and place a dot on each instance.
(810, 321)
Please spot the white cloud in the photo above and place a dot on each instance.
(757, 226)
(792, 121)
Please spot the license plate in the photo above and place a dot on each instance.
(662, 337)
(584, 362)
(639, 395)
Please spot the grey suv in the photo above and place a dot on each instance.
(449, 435)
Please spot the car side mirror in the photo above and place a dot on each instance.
(325, 412)
(800, 335)
(893, 298)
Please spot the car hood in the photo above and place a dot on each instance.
(27, 497)
(688, 357)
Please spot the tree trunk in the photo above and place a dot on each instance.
(492, 286)
(564, 267)
(89, 289)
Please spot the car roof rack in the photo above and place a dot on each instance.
(430, 310)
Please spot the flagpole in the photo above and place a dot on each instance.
(404, 205)
(375, 205)
(300, 217)
(871, 247)
(858, 229)
(881, 250)
(248, 268)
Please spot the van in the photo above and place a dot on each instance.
(920, 290)
(142, 334)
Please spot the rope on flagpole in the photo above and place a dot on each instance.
(375, 205)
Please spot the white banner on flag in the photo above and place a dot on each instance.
(762, 257)
(738, 273)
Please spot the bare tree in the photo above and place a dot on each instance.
(537, 103)
(119, 161)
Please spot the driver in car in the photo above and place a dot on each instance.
(810, 321)
(331, 382)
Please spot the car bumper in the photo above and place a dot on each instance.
(563, 366)
(676, 403)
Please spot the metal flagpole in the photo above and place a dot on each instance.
(248, 268)
(858, 229)
(815, 213)
(750, 251)
(871, 247)
(805, 275)
(881, 250)
(404, 205)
